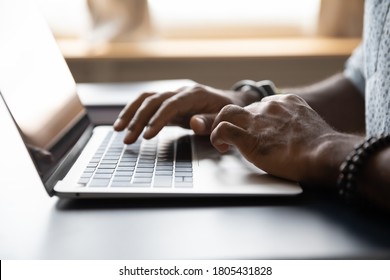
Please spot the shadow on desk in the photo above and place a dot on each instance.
(311, 226)
(180, 202)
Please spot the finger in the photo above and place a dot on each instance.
(142, 116)
(177, 105)
(129, 110)
(201, 124)
(226, 134)
(233, 114)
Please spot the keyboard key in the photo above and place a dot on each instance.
(183, 174)
(125, 168)
(122, 179)
(142, 180)
(162, 182)
(183, 169)
(86, 174)
(146, 165)
(83, 181)
(123, 174)
(121, 184)
(183, 185)
(142, 160)
(99, 183)
(126, 164)
(102, 176)
(89, 170)
(183, 164)
(183, 179)
(128, 159)
(131, 151)
(188, 179)
(179, 179)
(165, 163)
(164, 173)
(109, 161)
(110, 158)
(107, 166)
(143, 175)
(104, 171)
(164, 168)
(144, 170)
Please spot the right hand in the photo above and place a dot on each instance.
(285, 137)
(189, 107)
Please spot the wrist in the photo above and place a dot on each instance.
(252, 91)
(355, 170)
(329, 152)
(245, 98)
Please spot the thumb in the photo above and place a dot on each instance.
(201, 124)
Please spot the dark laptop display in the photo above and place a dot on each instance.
(38, 87)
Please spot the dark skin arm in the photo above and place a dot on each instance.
(347, 115)
(337, 101)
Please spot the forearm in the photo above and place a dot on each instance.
(337, 101)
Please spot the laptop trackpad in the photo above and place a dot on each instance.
(232, 173)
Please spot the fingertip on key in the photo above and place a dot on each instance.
(118, 124)
(129, 138)
(148, 133)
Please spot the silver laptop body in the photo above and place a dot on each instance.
(75, 159)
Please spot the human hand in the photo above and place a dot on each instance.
(283, 136)
(190, 107)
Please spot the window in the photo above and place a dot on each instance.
(67, 18)
(199, 18)
(241, 18)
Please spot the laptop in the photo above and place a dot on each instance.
(77, 160)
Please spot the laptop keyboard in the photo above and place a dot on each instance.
(146, 163)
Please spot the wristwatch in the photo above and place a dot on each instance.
(262, 88)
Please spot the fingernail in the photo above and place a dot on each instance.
(201, 124)
(147, 131)
(128, 138)
(118, 123)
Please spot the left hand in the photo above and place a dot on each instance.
(194, 107)
(283, 136)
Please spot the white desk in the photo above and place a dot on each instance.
(34, 226)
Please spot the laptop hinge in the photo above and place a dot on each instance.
(63, 167)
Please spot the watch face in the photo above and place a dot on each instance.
(268, 87)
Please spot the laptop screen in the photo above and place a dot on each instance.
(35, 81)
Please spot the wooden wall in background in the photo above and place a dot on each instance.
(217, 72)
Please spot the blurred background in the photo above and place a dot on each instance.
(215, 42)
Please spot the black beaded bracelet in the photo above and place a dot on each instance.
(354, 164)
